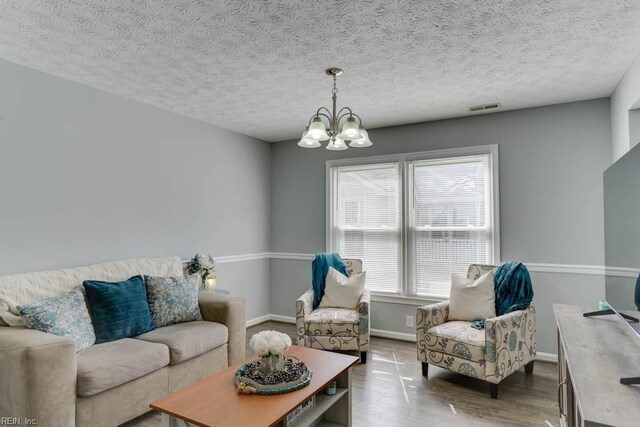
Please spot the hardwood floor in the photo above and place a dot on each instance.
(389, 390)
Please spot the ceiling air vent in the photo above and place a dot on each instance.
(485, 107)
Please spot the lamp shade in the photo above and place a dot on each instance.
(317, 130)
(337, 144)
(350, 130)
(361, 142)
(306, 142)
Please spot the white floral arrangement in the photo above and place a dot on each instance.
(269, 343)
(202, 264)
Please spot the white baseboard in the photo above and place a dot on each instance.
(547, 357)
(380, 333)
(284, 319)
(400, 336)
(258, 320)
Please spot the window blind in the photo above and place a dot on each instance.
(449, 221)
(365, 204)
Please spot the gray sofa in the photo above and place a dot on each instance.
(44, 379)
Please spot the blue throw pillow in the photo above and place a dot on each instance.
(118, 309)
(65, 315)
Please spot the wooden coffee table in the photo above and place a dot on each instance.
(214, 401)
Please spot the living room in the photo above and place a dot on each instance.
(133, 131)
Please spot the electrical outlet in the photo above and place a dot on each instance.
(410, 322)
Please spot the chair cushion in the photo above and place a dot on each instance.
(188, 340)
(104, 366)
(457, 338)
(330, 321)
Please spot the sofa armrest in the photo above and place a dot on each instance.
(510, 343)
(231, 312)
(304, 307)
(427, 317)
(38, 374)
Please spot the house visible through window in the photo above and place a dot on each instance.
(415, 219)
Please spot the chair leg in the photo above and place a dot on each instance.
(528, 368)
(425, 369)
(363, 357)
(494, 390)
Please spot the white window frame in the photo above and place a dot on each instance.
(403, 297)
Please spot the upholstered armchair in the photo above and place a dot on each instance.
(330, 328)
(506, 343)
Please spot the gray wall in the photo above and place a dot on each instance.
(86, 176)
(622, 225)
(551, 164)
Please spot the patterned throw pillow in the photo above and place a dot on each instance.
(173, 299)
(118, 309)
(65, 315)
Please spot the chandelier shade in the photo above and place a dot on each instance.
(337, 144)
(317, 130)
(307, 142)
(350, 130)
(337, 126)
(363, 141)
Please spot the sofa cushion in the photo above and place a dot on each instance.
(457, 338)
(104, 366)
(331, 321)
(118, 309)
(188, 340)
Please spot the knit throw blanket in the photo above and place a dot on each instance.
(513, 290)
(319, 269)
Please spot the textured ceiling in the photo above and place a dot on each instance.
(257, 67)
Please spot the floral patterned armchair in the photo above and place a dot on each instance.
(506, 343)
(330, 328)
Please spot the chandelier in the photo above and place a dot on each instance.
(351, 130)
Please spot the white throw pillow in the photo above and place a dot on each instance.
(471, 300)
(342, 291)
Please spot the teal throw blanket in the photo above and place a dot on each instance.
(513, 290)
(319, 270)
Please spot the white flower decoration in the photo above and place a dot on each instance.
(205, 261)
(266, 343)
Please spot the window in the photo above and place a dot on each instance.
(414, 219)
(367, 220)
